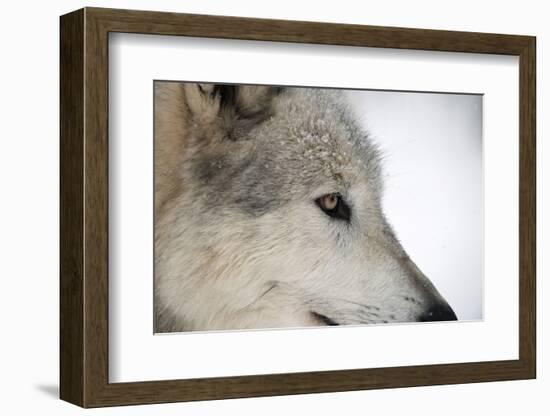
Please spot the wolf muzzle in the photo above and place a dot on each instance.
(439, 312)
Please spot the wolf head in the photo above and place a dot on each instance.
(274, 216)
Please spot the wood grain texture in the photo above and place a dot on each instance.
(71, 213)
(96, 208)
(527, 208)
(84, 207)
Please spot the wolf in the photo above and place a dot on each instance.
(268, 214)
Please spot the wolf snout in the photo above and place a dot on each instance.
(439, 312)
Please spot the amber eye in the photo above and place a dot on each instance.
(334, 206)
(329, 202)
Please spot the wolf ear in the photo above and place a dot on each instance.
(227, 111)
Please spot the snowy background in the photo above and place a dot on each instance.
(432, 146)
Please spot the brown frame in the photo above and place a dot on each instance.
(84, 207)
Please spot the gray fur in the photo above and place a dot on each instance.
(254, 173)
(240, 241)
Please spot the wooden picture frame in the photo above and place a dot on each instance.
(84, 207)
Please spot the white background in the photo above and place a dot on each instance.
(29, 217)
(433, 163)
(414, 193)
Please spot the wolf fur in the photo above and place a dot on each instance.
(239, 240)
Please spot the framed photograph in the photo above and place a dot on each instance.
(257, 207)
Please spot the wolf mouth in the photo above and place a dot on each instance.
(324, 319)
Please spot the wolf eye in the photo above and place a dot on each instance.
(334, 206)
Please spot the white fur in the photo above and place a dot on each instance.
(284, 268)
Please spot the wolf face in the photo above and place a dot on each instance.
(268, 214)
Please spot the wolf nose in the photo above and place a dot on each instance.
(439, 312)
